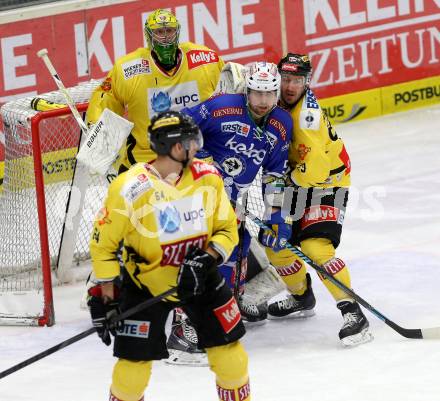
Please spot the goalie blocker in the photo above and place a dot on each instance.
(103, 141)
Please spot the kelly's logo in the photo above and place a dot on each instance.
(196, 58)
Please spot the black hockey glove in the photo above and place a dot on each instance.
(102, 310)
(193, 272)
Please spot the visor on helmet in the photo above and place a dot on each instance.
(297, 65)
(197, 140)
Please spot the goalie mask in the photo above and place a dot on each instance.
(171, 127)
(162, 33)
(263, 83)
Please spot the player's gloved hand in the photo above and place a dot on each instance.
(280, 234)
(191, 280)
(102, 310)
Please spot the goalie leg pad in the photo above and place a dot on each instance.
(257, 260)
(264, 286)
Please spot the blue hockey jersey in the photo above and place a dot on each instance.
(237, 145)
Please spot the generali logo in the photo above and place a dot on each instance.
(196, 58)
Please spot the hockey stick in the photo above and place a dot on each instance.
(80, 181)
(429, 333)
(43, 54)
(84, 334)
(241, 233)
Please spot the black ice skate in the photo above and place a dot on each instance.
(182, 346)
(294, 306)
(355, 330)
(251, 312)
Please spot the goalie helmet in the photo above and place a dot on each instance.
(296, 64)
(170, 127)
(263, 76)
(162, 33)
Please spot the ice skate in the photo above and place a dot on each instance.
(251, 313)
(294, 306)
(355, 330)
(182, 346)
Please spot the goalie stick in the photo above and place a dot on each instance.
(98, 152)
(429, 333)
(43, 54)
(80, 181)
(86, 333)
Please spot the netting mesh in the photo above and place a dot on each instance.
(20, 254)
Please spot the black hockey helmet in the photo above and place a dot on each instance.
(296, 64)
(170, 127)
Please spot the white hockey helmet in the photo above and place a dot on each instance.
(263, 76)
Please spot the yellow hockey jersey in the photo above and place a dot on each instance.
(139, 88)
(316, 154)
(158, 222)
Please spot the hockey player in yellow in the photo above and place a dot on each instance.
(316, 199)
(176, 225)
(165, 76)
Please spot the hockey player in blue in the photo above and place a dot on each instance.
(242, 134)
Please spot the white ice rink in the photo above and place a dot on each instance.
(391, 243)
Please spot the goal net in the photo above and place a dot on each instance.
(40, 149)
(37, 190)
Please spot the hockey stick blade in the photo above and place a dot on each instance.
(429, 333)
(86, 333)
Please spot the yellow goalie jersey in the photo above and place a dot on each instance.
(158, 222)
(316, 154)
(139, 87)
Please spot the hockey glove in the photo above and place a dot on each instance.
(193, 272)
(102, 310)
(278, 238)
